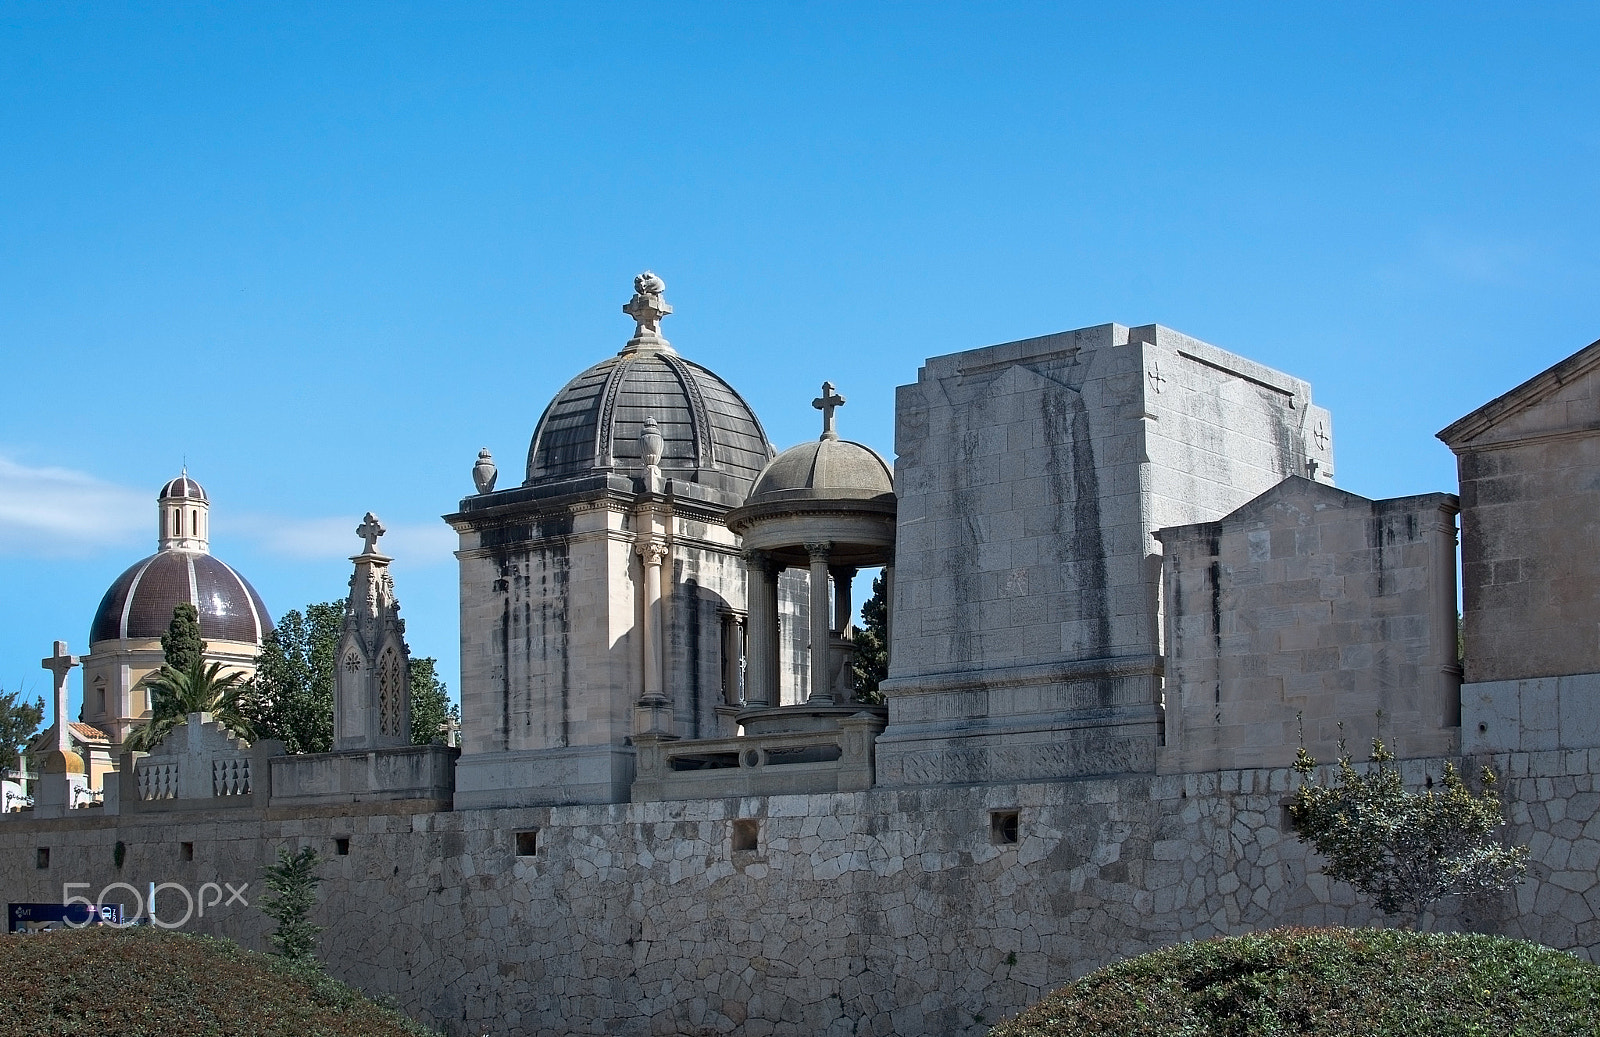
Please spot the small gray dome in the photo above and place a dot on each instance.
(140, 602)
(183, 487)
(824, 469)
(709, 434)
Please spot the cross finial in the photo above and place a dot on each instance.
(370, 530)
(827, 403)
(647, 307)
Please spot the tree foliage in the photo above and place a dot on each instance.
(201, 688)
(1403, 849)
(292, 893)
(291, 695)
(872, 644)
(182, 644)
(19, 724)
(430, 704)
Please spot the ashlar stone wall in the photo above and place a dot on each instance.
(875, 913)
(1304, 614)
(1031, 478)
(1529, 464)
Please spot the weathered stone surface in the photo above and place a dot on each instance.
(883, 912)
(1529, 465)
(1310, 610)
(1032, 476)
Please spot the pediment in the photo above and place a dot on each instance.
(1562, 398)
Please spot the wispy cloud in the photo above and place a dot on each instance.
(413, 544)
(48, 512)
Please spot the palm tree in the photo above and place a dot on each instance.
(196, 689)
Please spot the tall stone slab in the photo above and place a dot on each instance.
(1032, 476)
(1305, 614)
(371, 681)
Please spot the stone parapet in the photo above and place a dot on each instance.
(837, 759)
(417, 772)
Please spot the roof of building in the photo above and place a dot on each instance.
(140, 602)
(183, 487)
(709, 434)
(1460, 433)
(824, 469)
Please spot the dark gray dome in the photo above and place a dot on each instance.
(709, 434)
(184, 487)
(140, 602)
(824, 469)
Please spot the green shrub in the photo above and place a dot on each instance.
(148, 982)
(1329, 983)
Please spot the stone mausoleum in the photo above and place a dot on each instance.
(1122, 586)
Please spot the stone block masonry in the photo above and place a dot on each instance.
(902, 912)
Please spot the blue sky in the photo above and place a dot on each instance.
(325, 252)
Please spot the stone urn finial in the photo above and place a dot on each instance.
(650, 446)
(484, 472)
(647, 307)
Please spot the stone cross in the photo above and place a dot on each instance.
(370, 530)
(60, 663)
(451, 731)
(827, 403)
(1157, 380)
(1321, 436)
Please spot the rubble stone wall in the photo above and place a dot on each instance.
(874, 913)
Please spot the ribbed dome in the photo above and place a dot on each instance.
(824, 469)
(183, 487)
(710, 435)
(140, 602)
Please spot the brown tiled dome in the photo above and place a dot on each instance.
(140, 602)
(183, 486)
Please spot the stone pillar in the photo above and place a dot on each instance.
(888, 612)
(654, 714)
(821, 672)
(1444, 671)
(842, 607)
(761, 658)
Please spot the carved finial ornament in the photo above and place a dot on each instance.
(370, 530)
(647, 308)
(484, 472)
(827, 403)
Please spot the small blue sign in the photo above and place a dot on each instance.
(22, 916)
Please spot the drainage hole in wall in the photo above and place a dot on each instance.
(746, 836)
(186, 851)
(528, 843)
(1004, 827)
(341, 845)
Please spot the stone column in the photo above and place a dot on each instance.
(842, 607)
(821, 686)
(761, 658)
(655, 718)
(888, 612)
(1445, 677)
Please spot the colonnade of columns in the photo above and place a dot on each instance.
(830, 617)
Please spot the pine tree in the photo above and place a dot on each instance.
(292, 885)
(430, 703)
(181, 644)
